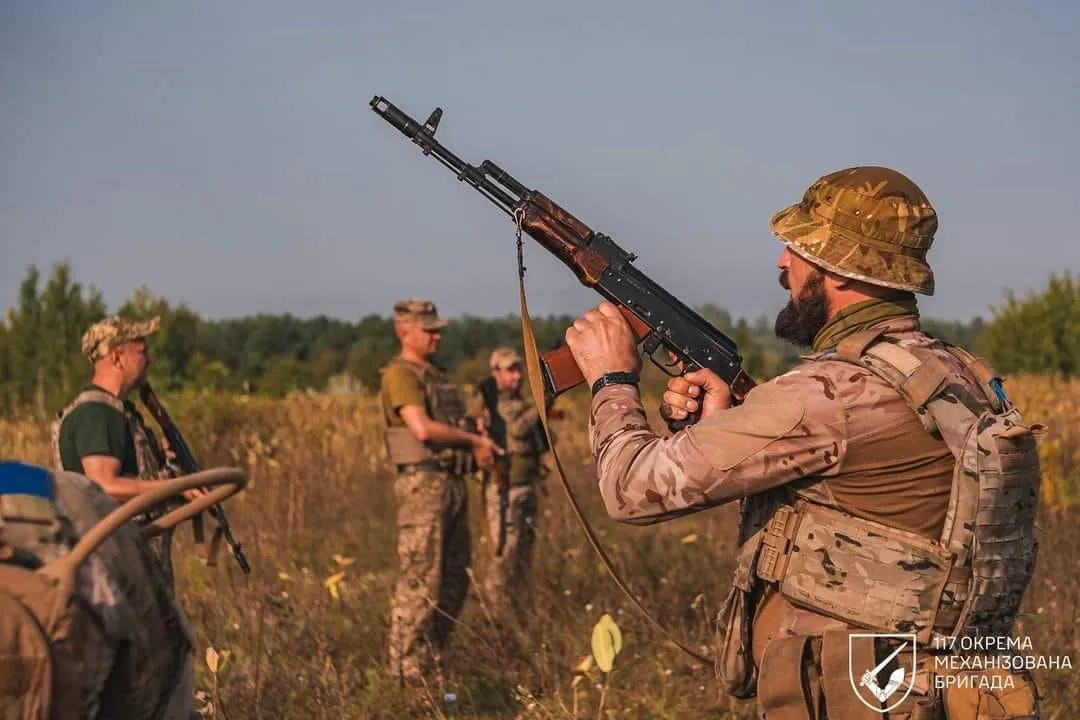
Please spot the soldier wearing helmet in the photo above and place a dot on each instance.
(853, 510)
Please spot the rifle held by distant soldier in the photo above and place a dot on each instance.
(497, 429)
(188, 465)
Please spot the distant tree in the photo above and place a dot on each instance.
(966, 335)
(177, 342)
(285, 374)
(1039, 333)
(42, 361)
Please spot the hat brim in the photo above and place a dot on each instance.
(839, 251)
(433, 324)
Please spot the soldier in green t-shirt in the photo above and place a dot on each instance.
(96, 430)
(432, 445)
(100, 434)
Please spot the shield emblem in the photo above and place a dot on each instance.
(888, 683)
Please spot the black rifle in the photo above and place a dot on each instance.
(497, 430)
(657, 317)
(188, 465)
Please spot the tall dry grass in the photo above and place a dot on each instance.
(304, 636)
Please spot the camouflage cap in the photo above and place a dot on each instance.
(867, 223)
(504, 358)
(420, 311)
(113, 332)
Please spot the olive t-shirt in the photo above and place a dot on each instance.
(95, 428)
(402, 386)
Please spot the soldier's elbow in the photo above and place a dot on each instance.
(618, 510)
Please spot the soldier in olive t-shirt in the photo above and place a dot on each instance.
(95, 428)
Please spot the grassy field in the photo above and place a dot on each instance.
(304, 636)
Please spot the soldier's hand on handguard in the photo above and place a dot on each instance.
(170, 454)
(700, 388)
(602, 342)
(194, 494)
(485, 450)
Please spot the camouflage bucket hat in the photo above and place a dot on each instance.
(866, 223)
(504, 358)
(420, 311)
(113, 332)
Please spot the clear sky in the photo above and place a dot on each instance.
(224, 154)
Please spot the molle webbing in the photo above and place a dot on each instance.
(444, 405)
(989, 526)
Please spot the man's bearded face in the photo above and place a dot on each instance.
(806, 313)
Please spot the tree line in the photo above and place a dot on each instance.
(41, 365)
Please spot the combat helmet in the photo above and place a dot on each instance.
(866, 223)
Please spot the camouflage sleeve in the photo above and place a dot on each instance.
(474, 403)
(785, 429)
(521, 419)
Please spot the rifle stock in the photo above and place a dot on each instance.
(189, 465)
(657, 318)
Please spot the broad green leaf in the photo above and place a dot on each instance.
(606, 642)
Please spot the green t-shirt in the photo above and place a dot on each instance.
(402, 386)
(95, 428)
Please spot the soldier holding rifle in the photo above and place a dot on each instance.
(510, 501)
(100, 434)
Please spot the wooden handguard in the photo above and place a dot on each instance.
(560, 367)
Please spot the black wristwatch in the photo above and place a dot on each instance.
(615, 378)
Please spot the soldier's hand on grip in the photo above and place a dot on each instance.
(485, 450)
(698, 389)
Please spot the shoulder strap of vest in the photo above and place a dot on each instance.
(988, 380)
(95, 395)
(86, 396)
(407, 364)
(922, 382)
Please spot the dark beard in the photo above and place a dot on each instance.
(803, 317)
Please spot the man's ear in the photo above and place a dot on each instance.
(839, 282)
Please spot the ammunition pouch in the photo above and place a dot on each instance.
(859, 571)
(993, 693)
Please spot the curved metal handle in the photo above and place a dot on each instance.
(165, 490)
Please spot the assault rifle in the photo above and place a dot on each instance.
(497, 429)
(657, 318)
(188, 465)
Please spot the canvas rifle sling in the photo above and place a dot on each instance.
(532, 361)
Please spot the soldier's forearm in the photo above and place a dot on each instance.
(643, 478)
(441, 434)
(120, 488)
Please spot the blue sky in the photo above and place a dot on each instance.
(224, 154)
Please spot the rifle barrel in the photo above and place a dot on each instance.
(424, 136)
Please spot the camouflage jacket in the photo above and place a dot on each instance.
(829, 422)
(524, 434)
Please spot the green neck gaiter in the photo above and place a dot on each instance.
(861, 316)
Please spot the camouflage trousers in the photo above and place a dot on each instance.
(507, 578)
(433, 555)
